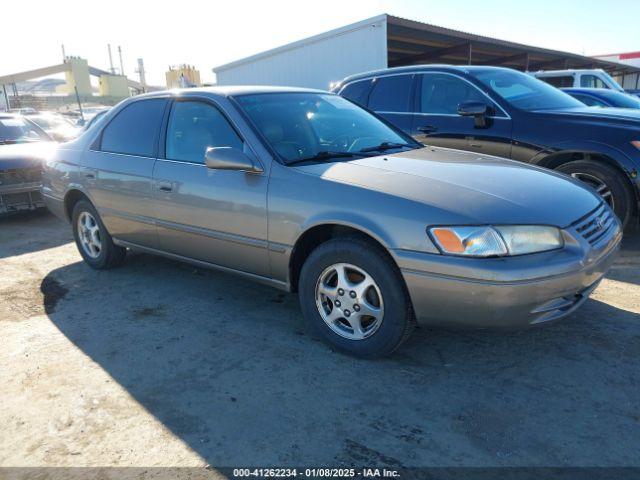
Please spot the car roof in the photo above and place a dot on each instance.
(228, 91)
(420, 68)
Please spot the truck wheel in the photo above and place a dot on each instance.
(92, 239)
(353, 295)
(610, 184)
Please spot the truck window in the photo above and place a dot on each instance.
(559, 82)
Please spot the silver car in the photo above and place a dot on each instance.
(306, 191)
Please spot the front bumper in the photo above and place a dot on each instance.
(20, 197)
(507, 292)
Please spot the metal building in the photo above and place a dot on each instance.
(388, 41)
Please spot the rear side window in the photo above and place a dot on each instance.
(559, 82)
(134, 130)
(357, 92)
(195, 126)
(590, 101)
(391, 94)
(591, 81)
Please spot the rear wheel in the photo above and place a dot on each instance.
(608, 182)
(92, 239)
(353, 296)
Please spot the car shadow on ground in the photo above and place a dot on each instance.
(29, 232)
(228, 366)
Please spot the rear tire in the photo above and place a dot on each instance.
(606, 180)
(373, 285)
(92, 239)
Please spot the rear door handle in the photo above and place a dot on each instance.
(428, 129)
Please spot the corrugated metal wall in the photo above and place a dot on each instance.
(315, 62)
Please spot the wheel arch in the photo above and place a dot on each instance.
(555, 159)
(320, 233)
(71, 198)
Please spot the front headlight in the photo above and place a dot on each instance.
(496, 241)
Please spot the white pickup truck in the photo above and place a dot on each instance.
(578, 79)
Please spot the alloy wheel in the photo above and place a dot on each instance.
(349, 301)
(89, 235)
(597, 184)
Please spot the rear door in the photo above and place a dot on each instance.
(217, 216)
(437, 122)
(118, 170)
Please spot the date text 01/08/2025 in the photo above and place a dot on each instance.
(315, 472)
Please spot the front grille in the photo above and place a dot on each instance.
(17, 176)
(596, 224)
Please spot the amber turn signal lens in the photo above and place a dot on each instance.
(448, 240)
(636, 143)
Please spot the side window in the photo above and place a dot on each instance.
(134, 130)
(559, 82)
(590, 101)
(441, 94)
(195, 126)
(391, 94)
(591, 81)
(357, 91)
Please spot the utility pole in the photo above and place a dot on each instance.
(110, 60)
(120, 54)
(6, 98)
(141, 73)
(64, 55)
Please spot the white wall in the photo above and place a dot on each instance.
(314, 62)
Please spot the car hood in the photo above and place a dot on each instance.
(24, 155)
(614, 115)
(467, 187)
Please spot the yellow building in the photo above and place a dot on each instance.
(114, 86)
(183, 76)
(78, 77)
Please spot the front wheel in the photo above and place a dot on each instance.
(610, 184)
(354, 297)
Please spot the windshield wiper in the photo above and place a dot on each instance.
(387, 146)
(325, 155)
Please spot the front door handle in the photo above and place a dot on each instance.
(428, 129)
(165, 186)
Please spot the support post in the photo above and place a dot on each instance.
(6, 97)
(79, 104)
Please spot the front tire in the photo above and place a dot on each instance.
(92, 239)
(608, 182)
(353, 296)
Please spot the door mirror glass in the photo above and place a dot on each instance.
(229, 158)
(478, 110)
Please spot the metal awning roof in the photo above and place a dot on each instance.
(410, 43)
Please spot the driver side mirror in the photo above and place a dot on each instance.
(229, 158)
(477, 110)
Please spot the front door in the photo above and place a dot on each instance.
(437, 122)
(216, 216)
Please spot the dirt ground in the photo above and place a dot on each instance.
(157, 363)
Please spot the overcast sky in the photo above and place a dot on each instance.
(211, 33)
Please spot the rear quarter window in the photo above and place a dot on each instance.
(357, 92)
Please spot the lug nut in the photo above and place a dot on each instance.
(340, 292)
(347, 313)
(337, 302)
(356, 307)
(352, 294)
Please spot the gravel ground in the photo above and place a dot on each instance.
(157, 363)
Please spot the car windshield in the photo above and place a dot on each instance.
(315, 126)
(49, 122)
(19, 130)
(525, 92)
